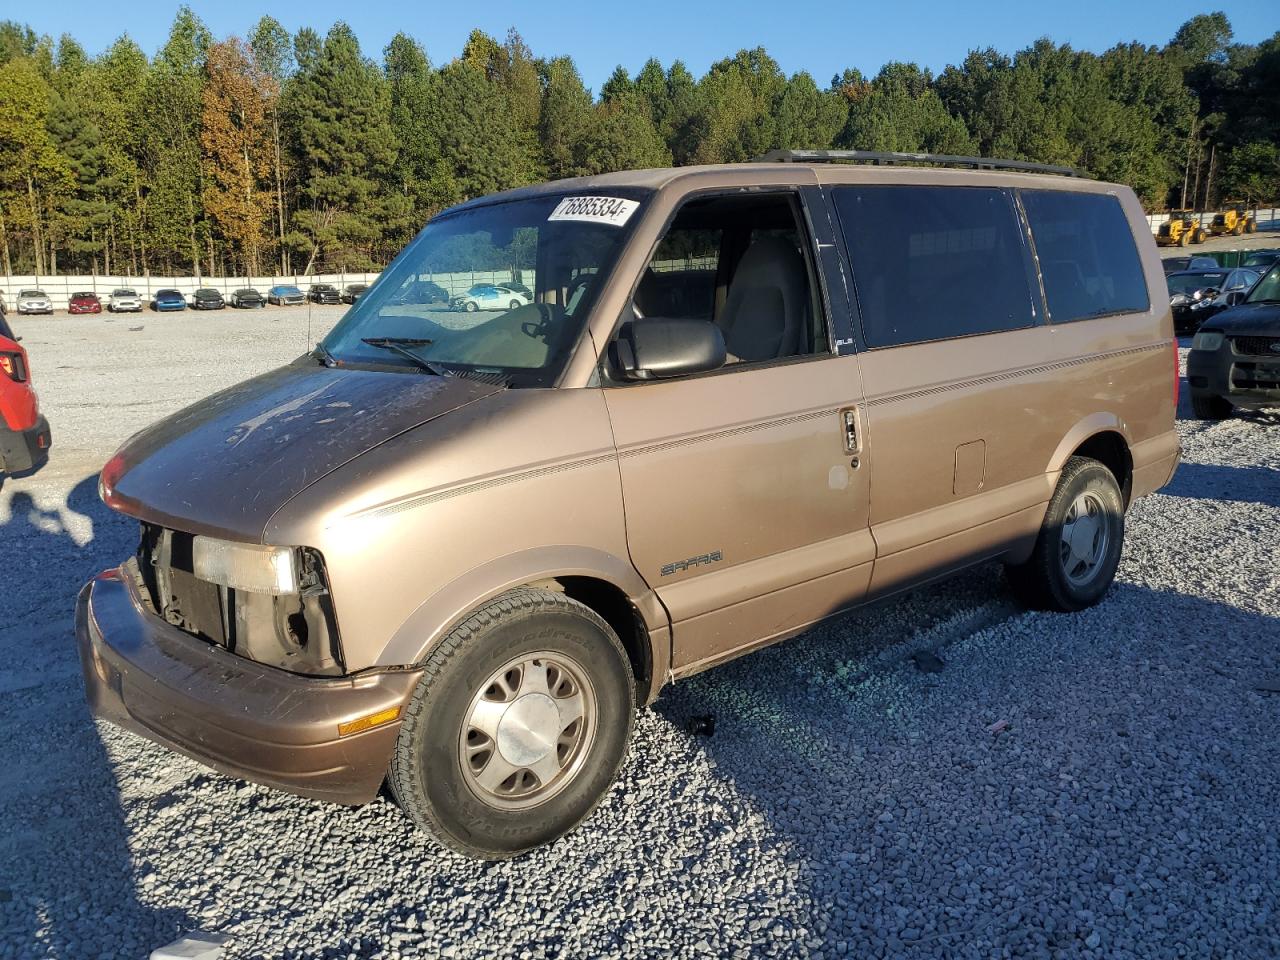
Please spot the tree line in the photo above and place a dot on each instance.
(299, 153)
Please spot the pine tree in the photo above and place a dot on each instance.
(346, 152)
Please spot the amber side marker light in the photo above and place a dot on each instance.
(367, 723)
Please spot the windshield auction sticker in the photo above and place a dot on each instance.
(614, 211)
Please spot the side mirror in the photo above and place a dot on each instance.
(654, 348)
(1236, 296)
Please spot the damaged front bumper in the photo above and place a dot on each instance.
(242, 718)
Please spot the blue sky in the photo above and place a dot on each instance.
(821, 37)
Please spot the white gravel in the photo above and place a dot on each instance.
(846, 805)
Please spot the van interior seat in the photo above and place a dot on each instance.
(767, 299)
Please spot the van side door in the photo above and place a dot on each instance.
(746, 507)
(953, 362)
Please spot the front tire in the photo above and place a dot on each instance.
(1210, 406)
(471, 306)
(517, 728)
(514, 305)
(1076, 554)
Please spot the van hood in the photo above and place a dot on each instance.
(224, 465)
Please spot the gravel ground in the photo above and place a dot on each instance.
(847, 804)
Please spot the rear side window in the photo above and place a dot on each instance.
(1088, 259)
(932, 263)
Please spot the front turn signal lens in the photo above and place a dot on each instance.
(379, 719)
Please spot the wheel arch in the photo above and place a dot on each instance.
(1103, 437)
(607, 584)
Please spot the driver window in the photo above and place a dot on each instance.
(740, 263)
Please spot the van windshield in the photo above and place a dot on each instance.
(501, 290)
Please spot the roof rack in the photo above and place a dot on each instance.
(938, 159)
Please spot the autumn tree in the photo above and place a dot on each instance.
(236, 150)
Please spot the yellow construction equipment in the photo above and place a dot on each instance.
(1182, 227)
(1234, 219)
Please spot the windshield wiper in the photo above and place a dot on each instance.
(401, 346)
(322, 353)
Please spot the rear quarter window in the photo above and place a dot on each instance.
(1088, 258)
(933, 263)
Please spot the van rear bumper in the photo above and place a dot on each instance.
(241, 718)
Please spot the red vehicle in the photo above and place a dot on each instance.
(84, 303)
(24, 434)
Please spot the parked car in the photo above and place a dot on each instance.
(1261, 259)
(421, 292)
(124, 300)
(207, 298)
(24, 434)
(168, 300)
(324, 293)
(1179, 264)
(1191, 288)
(285, 296)
(33, 301)
(1235, 357)
(1238, 283)
(85, 302)
(246, 298)
(469, 551)
(354, 291)
(519, 288)
(488, 296)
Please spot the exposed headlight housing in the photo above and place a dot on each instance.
(1207, 340)
(245, 566)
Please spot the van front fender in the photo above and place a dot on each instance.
(433, 618)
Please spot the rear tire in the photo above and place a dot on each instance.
(473, 765)
(1184, 239)
(1210, 406)
(514, 305)
(1076, 554)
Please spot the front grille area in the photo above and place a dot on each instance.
(1257, 346)
(1255, 376)
(296, 632)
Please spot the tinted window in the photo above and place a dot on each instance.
(1087, 255)
(931, 263)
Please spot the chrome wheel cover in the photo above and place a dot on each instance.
(527, 730)
(1086, 534)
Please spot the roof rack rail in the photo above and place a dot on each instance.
(938, 159)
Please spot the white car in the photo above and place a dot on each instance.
(124, 300)
(33, 301)
(490, 296)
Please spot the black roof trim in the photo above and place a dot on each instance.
(937, 159)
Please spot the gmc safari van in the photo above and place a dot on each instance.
(455, 551)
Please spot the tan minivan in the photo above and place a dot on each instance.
(661, 419)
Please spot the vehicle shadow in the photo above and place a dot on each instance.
(1209, 481)
(68, 882)
(916, 805)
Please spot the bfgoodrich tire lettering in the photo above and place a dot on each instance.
(1078, 549)
(427, 775)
